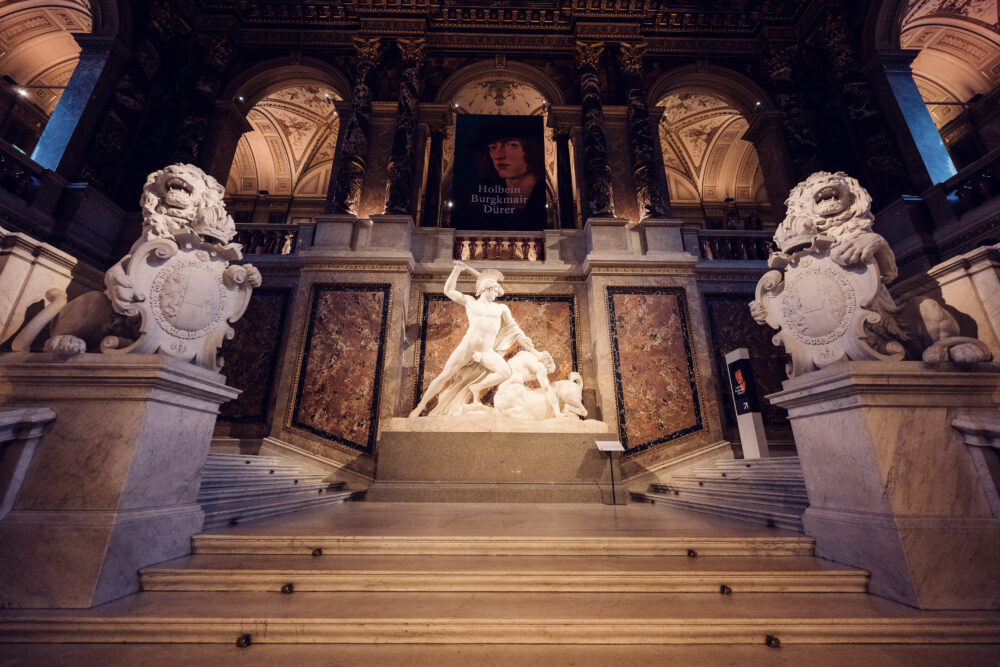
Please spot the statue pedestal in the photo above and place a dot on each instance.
(491, 459)
(114, 480)
(892, 486)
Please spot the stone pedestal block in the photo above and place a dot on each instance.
(662, 237)
(611, 238)
(443, 463)
(391, 232)
(335, 231)
(892, 487)
(114, 481)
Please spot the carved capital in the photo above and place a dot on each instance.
(367, 49)
(413, 51)
(631, 57)
(588, 53)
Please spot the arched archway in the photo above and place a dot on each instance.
(714, 174)
(514, 89)
(280, 166)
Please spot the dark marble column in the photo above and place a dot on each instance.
(399, 186)
(883, 167)
(564, 174)
(647, 168)
(797, 124)
(600, 198)
(432, 191)
(345, 185)
(204, 83)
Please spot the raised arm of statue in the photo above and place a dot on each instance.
(451, 285)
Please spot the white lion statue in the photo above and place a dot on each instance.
(182, 207)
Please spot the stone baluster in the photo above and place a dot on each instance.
(798, 128)
(600, 198)
(647, 169)
(432, 191)
(883, 167)
(399, 186)
(345, 186)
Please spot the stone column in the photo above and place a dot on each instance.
(229, 124)
(399, 187)
(867, 123)
(600, 198)
(203, 87)
(796, 122)
(345, 185)
(765, 134)
(647, 170)
(432, 189)
(564, 177)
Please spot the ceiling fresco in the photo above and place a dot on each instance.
(291, 146)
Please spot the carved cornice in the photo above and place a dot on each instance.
(631, 56)
(588, 54)
(367, 49)
(413, 51)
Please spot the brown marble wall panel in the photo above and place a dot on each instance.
(251, 357)
(339, 380)
(656, 382)
(549, 321)
(731, 327)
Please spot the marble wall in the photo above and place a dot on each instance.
(656, 378)
(251, 357)
(549, 320)
(339, 380)
(730, 327)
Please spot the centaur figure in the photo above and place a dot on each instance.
(477, 364)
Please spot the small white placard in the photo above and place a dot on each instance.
(609, 446)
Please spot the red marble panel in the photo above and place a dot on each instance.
(251, 356)
(655, 382)
(550, 322)
(340, 379)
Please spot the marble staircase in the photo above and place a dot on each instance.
(768, 492)
(446, 574)
(236, 488)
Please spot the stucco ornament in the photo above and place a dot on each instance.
(826, 294)
(174, 293)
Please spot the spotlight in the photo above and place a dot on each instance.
(239, 98)
(23, 92)
(450, 204)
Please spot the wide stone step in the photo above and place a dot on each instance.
(542, 545)
(274, 495)
(650, 574)
(773, 462)
(775, 485)
(490, 618)
(748, 475)
(259, 480)
(222, 494)
(790, 502)
(776, 516)
(255, 510)
(247, 460)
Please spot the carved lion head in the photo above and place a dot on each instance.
(832, 204)
(183, 198)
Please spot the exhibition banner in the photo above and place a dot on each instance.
(499, 177)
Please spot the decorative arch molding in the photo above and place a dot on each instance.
(743, 92)
(267, 77)
(112, 19)
(519, 72)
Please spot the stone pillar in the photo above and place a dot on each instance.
(203, 87)
(564, 178)
(797, 124)
(104, 498)
(892, 487)
(229, 124)
(915, 131)
(647, 169)
(600, 198)
(344, 194)
(766, 136)
(399, 186)
(432, 188)
(883, 168)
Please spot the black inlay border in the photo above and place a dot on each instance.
(550, 298)
(317, 291)
(275, 351)
(679, 293)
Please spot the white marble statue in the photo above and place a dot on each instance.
(478, 364)
(830, 303)
(175, 292)
(948, 345)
